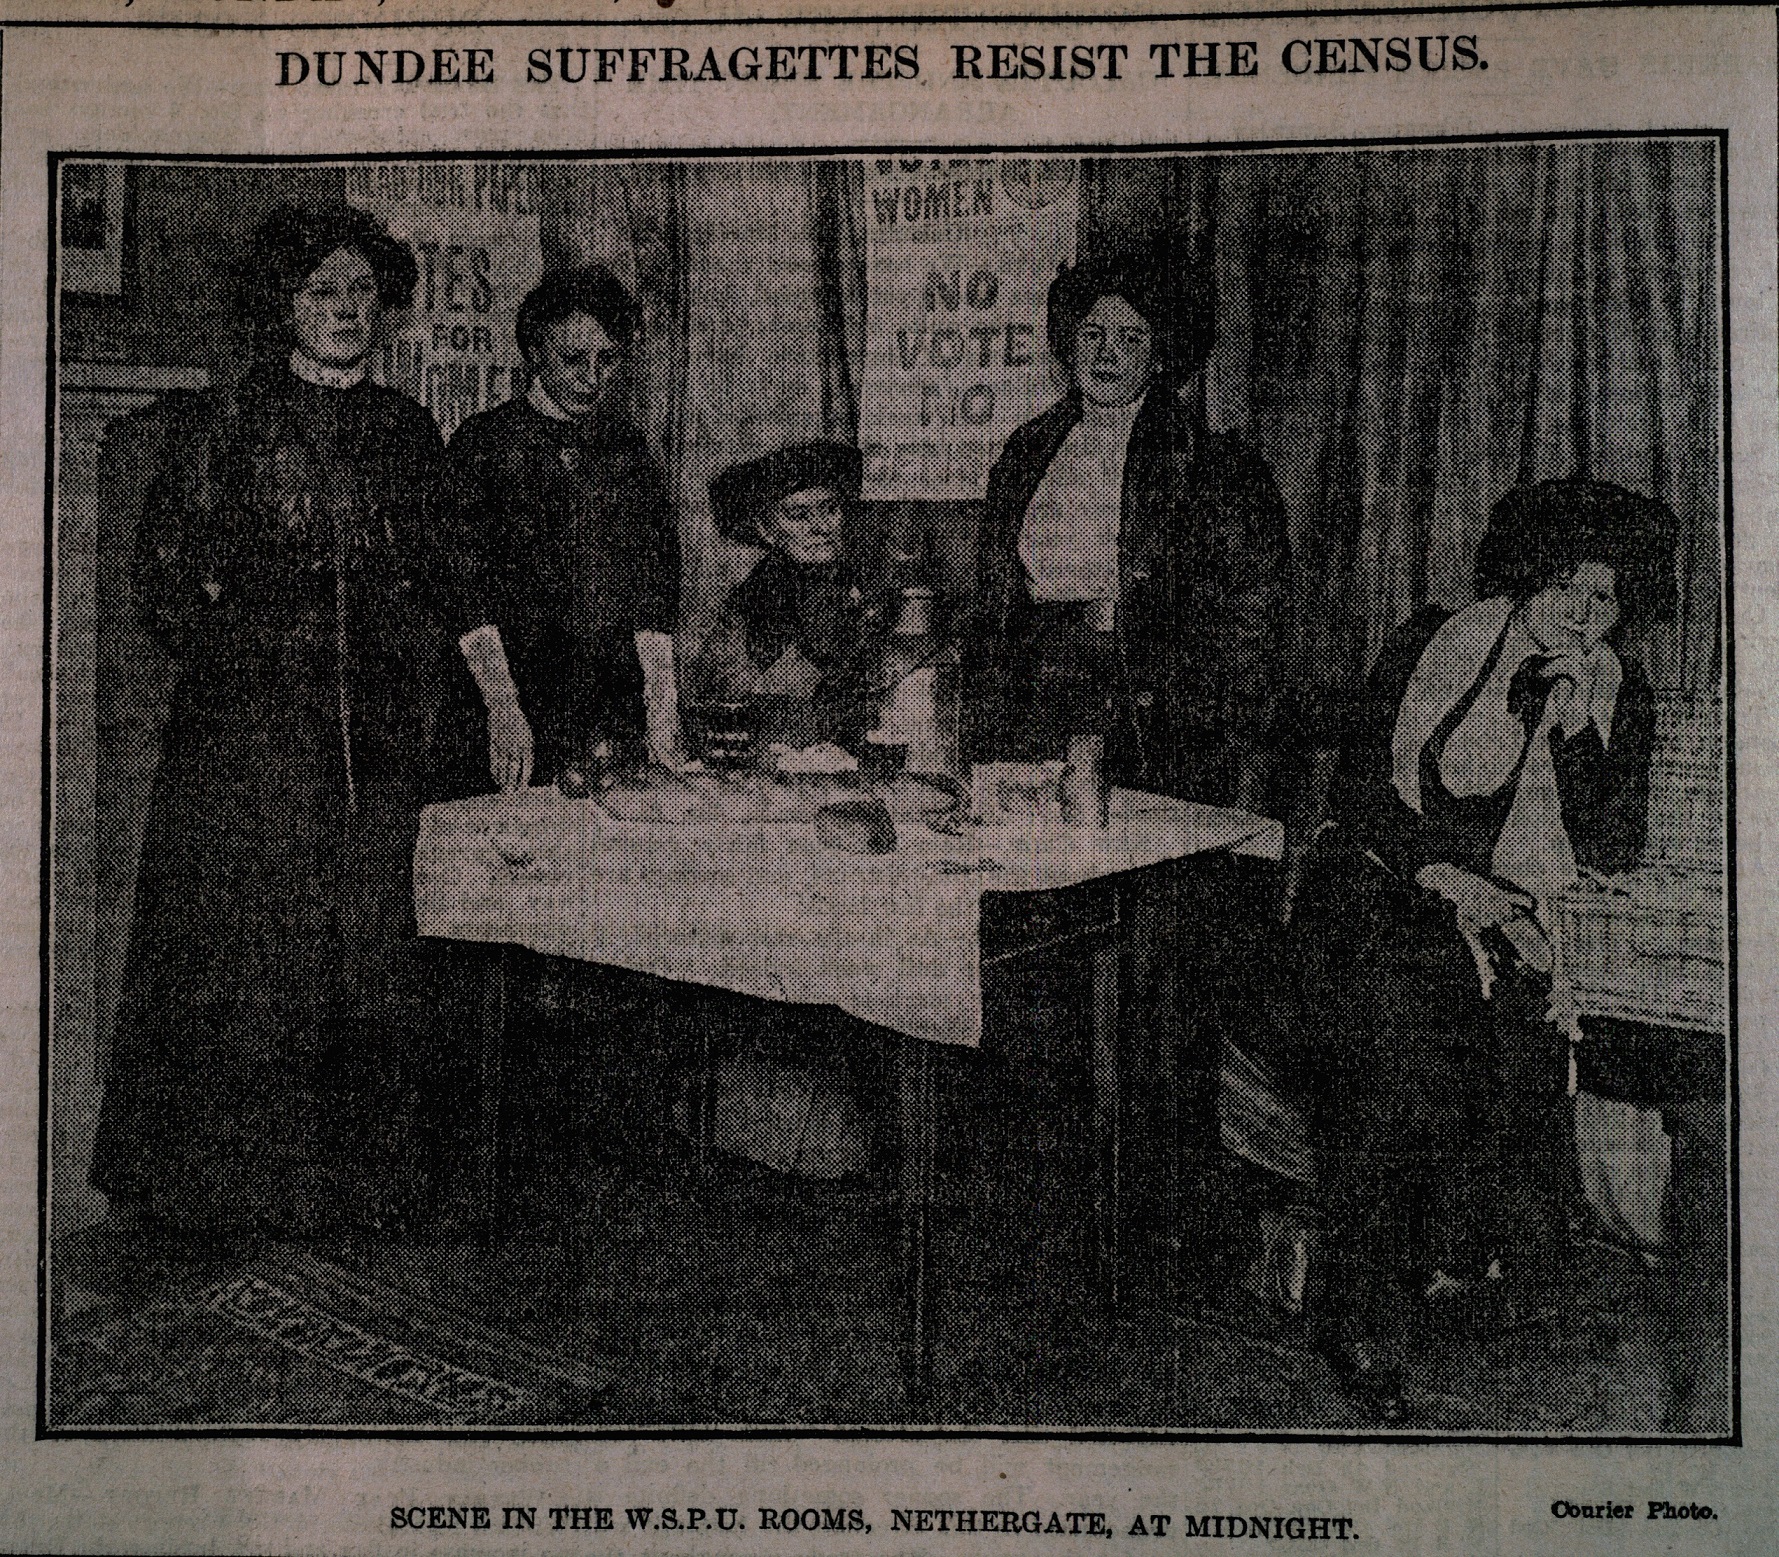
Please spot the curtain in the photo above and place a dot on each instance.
(750, 277)
(837, 209)
(1407, 334)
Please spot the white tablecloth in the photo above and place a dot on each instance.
(765, 909)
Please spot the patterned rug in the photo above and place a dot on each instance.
(291, 1338)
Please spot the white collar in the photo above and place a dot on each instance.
(1451, 664)
(324, 376)
(539, 400)
(1120, 417)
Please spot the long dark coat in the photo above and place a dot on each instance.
(1438, 1111)
(277, 562)
(1193, 674)
(562, 535)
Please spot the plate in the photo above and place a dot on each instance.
(912, 797)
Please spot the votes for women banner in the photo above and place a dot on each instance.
(960, 253)
(473, 227)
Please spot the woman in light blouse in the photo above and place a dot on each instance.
(1133, 569)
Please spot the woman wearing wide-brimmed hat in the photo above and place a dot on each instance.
(1495, 750)
(279, 563)
(797, 629)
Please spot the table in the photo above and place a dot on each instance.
(761, 908)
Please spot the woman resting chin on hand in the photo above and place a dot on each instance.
(1495, 749)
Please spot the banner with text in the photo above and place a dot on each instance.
(473, 227)
(960, 255)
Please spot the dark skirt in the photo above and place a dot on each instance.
(1059, 677)
(1438, 1113)
(269, 990)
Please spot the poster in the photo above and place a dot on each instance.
(960, 255)
(473, 228)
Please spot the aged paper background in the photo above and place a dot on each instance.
(167, 77)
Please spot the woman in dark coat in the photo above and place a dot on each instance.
(798, 628)
(1133, 582)
(277, 562)
(563, 556)
(1495, 751)
(1133, 568)
(559, 553)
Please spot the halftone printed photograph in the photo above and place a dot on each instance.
(1013, 794)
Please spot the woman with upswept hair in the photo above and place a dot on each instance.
(1133, 567)
(268, 982)
(562, 553)
(1495, 751)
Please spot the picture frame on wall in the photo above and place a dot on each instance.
(94, 218)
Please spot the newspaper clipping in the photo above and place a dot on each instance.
(886, 783)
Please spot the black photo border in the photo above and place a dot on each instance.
(695, 1432)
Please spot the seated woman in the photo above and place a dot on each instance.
(797, 630)
(1494, 751)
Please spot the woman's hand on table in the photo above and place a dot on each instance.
(509, 745)
(1478, 901)
(509, 732)
(1562, 1012)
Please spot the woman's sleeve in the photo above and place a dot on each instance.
(657, 583)
(1604, 785)
(987, 722)
(843, 697)
(720, 668)
(178, 569)
(464, 570)
(1255, 624)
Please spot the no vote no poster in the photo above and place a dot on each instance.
(960, 254)
(474, 230)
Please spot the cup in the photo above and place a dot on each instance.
(1086, 798)
(882, 760)
(726, 734)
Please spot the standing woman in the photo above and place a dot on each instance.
(1495, 750)
(1133, 584)
(560, 557)
(563, 555)
(276, 562)
(1133, 569)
